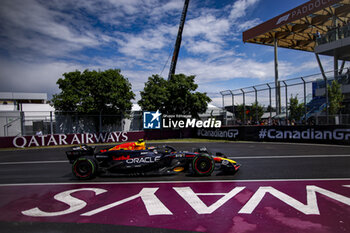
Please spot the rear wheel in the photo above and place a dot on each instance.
(203, 165)
(84, 168)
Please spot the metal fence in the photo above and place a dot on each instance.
(42, 123)
(311, 91)
(334, 34)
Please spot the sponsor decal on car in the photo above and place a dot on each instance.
(121, 157)
(143, 160)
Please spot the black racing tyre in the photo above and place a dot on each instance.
(84, 168)
(203, 165)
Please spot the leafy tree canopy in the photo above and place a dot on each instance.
(175, 96)
(93, 92)
(335, 97)
(155, 94)
(253, 112)
(296, 110)
(257, 111)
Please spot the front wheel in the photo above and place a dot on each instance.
(203, 165)
(84, 168)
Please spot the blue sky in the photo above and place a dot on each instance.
(40, 40)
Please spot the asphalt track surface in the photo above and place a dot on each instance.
(260, 161)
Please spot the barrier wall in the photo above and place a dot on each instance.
(90, 138)
(298, 134)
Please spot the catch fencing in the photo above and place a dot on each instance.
(44, 123)
(311, 91)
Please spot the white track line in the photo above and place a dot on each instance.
(288, 156)
(240, 157)
(179, 181)
(33, 162)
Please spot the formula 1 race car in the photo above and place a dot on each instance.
(135, 159)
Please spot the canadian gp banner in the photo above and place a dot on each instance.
(308, 134)
(87, 138)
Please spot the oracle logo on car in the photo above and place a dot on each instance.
(144, 160)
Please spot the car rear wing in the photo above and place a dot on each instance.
(78, 151)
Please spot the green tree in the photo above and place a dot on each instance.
(94, 92)
(155, 94)
(335, 98)
(239, 112)
(175, 96)
(296, 110)
(250, 112)
(270, 109)
(256, 112)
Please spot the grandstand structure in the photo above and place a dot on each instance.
(321, 27)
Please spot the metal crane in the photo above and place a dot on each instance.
(178, 40)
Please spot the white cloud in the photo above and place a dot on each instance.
(172, 5)
(128, 6)
(138, 34)
(203, 47)
(29, 29)
(33, 77)
(140, 45)
(169, 8)
(42, 77)
(207, 26)
(240, 7)
(248, 24)
(31, 16)
(231, 69)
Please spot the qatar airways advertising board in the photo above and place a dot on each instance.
(88, 138)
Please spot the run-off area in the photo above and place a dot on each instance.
(38, 188)
(203, 206)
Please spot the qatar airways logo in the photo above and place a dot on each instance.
(69, 139)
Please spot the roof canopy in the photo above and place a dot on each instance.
(296, 29)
